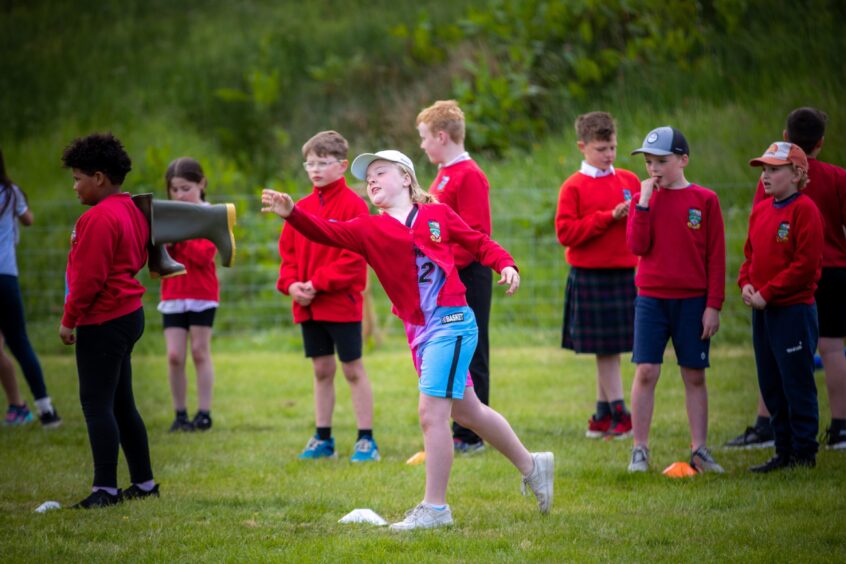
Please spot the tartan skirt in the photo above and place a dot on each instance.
(599, 310)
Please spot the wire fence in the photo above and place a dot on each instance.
(523, 222)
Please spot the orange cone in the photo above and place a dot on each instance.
(679, 470)
(418, 458)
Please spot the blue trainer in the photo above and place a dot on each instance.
(365, 451)
(319, 449)
(17, 415)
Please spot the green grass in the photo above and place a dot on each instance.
(238, 493)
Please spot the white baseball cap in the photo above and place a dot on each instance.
(361, 162)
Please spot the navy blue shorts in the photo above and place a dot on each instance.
(186, 319)
(321, 338)
(658, 320)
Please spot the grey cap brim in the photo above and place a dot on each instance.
(655, 152)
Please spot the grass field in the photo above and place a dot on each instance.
(238, 493)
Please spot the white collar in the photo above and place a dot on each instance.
(593, 172)
(465, 156)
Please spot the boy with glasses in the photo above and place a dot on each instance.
(326, 285)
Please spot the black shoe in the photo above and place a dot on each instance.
(50, 419)
(835, 437)
(99, 498)
(202, 421)
(181, 423)
(752, 437)
(778, 462)
(134, 492)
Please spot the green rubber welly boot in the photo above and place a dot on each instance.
(180, 221)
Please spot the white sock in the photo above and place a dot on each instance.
(44, 405)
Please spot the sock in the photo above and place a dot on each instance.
(44, 405)
(618, 407)
(324, 433)
(204, 412)
(365, 433)
(603, 409)
(110, 491)
(146, 486)
(182, 414)
(436, 507)
(762, 423)
(838, 424)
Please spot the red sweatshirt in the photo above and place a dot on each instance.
(465, 188)
(108, 248)
(200, 279)
(827, 188)
(784, 251)
(388, 246)
(338, 275)
(585, 224)
(680, 240)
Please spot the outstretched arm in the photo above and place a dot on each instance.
(276, 202)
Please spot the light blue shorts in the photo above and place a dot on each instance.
(443, 364)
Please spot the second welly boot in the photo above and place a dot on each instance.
(159, 262)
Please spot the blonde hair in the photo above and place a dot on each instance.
(415, 192)
(444, 115)
(803, 177)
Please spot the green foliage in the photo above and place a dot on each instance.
(237, 493)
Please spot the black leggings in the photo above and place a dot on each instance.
(103, 355)
(13, 327)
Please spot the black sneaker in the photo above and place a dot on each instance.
(99, 498)
(134, 492)
(202, 421)
(778, 462)
(835, 438)
(752, 437)
(50, 419)
(181, 423)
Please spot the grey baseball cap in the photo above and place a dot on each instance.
(361, 162)
(664, 141)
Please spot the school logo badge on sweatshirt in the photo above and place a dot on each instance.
(442, 184)
(435, 230)
(783, 233)
(694, 218)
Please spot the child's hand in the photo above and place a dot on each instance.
(621, 210)
(757, 301)
(646, 188)
(276, 202)
(300, 294)
(746, 294)
(66, 335)
(511, 277)
(710, 323)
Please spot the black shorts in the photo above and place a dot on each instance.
(185, 320)
(831, 302)
(320, 338)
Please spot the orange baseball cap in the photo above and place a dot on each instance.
(782, 153)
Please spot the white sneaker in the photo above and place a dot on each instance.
(424, 517)
(702, 461)
(541, 479)
(640, 459)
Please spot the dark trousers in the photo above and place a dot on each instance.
(13, 327)
(784, 339)
(103, 354)
(478, 279)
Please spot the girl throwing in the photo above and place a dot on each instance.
(409, 246)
